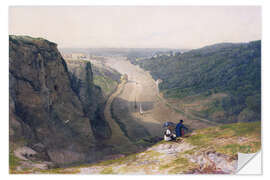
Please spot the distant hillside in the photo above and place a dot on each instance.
(228, 74)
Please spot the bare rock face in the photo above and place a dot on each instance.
(44, 108)
(90, 96)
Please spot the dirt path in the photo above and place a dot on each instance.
(141, 90)
(118, 138)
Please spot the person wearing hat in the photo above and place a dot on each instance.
(180, 129)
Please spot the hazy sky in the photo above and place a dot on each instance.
(167, 26)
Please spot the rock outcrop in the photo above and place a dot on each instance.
(90, 95)
(48, 112)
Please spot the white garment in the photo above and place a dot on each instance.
(167, 138)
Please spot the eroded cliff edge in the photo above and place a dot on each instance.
(49, 112)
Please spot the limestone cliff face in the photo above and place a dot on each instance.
(47, 112)
(90, 95)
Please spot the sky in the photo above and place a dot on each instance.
(182, 27)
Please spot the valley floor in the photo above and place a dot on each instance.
(140, 106)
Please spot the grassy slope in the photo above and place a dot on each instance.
(229, 139)
(226, 139)
(106, 78)
(106, 83)
(202, 106)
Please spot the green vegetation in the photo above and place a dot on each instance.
(147, 141)
(180, 165)
(102, 76)
(231, 69)
(59, 171)
(106, 78)
(118, 161)
(107, 170)
(106, 83)
(119, 122)
(243, 129)
(233, 149)
(229, 139)
(13, 162)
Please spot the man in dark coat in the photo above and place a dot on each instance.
(180, 129)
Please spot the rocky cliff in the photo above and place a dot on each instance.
(50, 112)
(90, 95)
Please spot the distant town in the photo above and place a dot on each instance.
(76, 56)
(69, 55)
(81, 56)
